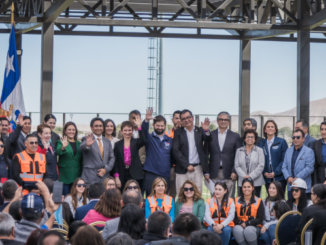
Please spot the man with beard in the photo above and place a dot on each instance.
(158, 151)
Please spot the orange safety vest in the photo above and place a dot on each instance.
(214, 208)
(242, 213)
(166, 204)
(31, 170)
(170, 133)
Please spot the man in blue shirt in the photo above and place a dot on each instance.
(319, 148)
(298, 162)
(158, 151)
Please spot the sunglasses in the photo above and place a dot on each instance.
(132, 187)
(296, 137)
(33, 143)
(81, 185)
(295, 190)
(188, 189)
(2, 146)
(220, 181)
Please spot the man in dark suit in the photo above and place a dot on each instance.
(319, 148)
(98, 156)
(304, 126)
(250, 123)
(222, 151)
(4, 122)
(8, 192)
(95, 191)
(188, 151)
(17, 137)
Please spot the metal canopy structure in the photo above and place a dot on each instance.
(244, 20)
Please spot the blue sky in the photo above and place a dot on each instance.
(109, 74)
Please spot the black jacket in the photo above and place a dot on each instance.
(5, 140)
(136, 167)
(3, 206)
(227, 156)
(180, 149)
(176, 240)
(318, 226)
(307, 214)
(51, 161)
(17, 141)
(319, 174)
(150, 237)
(11, 242)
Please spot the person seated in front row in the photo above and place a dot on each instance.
(109, 183)
(298, 200)
(158, 200)
(249, 216)
(190, 201)
(275, 194)
(219, 213)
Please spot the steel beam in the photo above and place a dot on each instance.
(313, 21)
(46, 67)
(244, 82)
(261, 34)
(56, 9)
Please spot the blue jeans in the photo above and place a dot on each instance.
(225, 235)
(269, 235)
(66, 189)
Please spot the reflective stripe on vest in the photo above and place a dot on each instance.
(167, 205)
(27, 175)
(167, 200)
(218, 219)
(253, 210)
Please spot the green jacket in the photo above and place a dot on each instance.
(198, 209)
(70, 165)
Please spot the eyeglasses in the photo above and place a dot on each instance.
(2, 146)
(111, 185)
(220, 181)
(295, 190)
(132, 187)
(186, 118)
(296, 137)
(33, 143)
(188, 189)
(223, 120)
(250, 137)
(81, 185)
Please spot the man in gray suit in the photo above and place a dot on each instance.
(129, 197)
(98, 156)
(304, 126)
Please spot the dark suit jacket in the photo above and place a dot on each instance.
(136, 167)
(11, 242)
(6, 142)
(17, 141)
(318, 226)
(319, 174)
(227, 156)
(180, 149)
(83, 210)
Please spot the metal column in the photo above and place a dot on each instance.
(244, 85)
(46, 66)
(303, 65)
(160, 80)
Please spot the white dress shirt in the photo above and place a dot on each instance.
(135, 134)
(23, 134)
(221, 140)
(193, 153)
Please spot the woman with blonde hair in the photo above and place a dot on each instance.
(109, 183)
(158, 200)
(77, 196)
(190, 201)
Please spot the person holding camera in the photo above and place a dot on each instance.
(249, 215)
(29, 166)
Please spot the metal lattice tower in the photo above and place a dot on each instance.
(155, 75)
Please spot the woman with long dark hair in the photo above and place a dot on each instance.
(107, 208)
(190, 201)
(298, 200)
(249, 215)
(77, 196)
(275, 194)
(51, 121)
(318, 198)
(110, 132)
(219, 213)
(70, 156)
(132, 221)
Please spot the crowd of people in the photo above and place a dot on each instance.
(140, 187)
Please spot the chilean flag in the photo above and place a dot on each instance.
(12, 93)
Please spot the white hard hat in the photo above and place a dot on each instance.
(300, 183)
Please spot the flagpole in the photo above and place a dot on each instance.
(12, 14)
